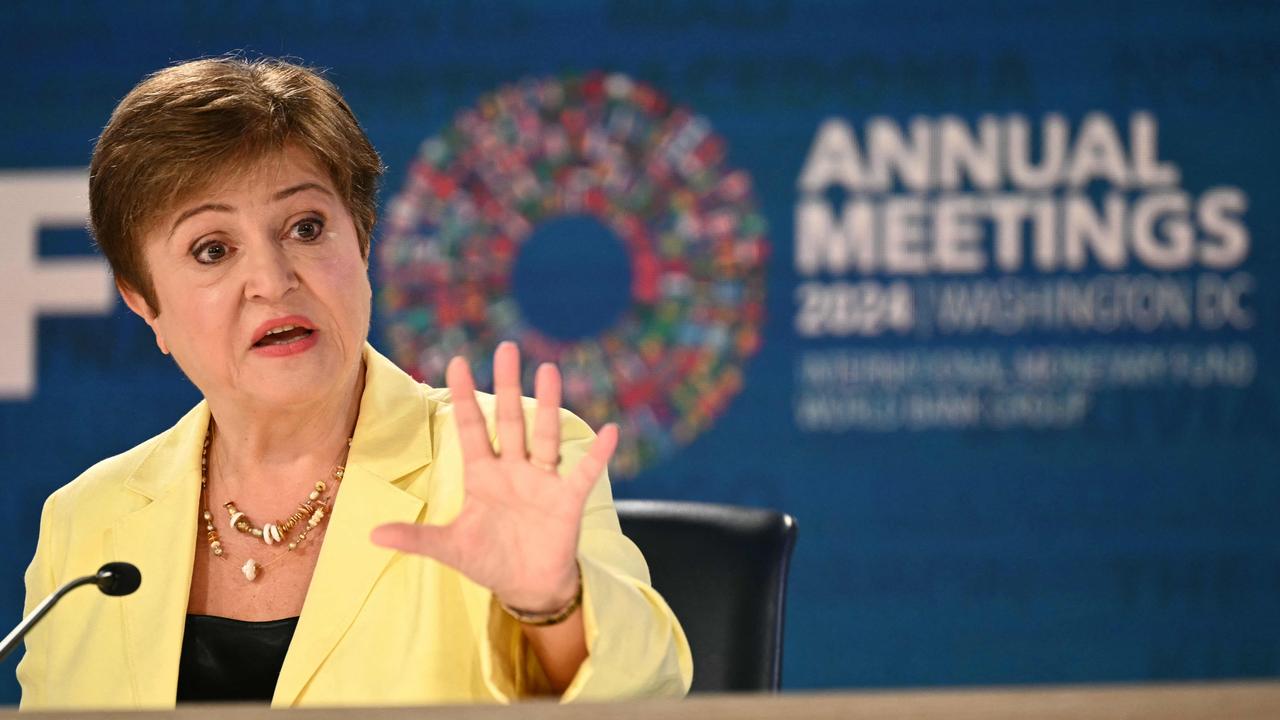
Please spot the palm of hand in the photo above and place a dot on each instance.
(517, 532)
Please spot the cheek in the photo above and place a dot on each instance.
(196, 316)
(347, 279)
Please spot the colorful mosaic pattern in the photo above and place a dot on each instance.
(615, 149)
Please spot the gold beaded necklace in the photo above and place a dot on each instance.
(315, 509)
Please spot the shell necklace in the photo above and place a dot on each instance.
(314, 509)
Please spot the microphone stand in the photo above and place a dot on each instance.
(115, 578)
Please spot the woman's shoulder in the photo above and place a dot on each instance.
(106, 477)
(124, 482)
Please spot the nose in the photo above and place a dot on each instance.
(271, 273)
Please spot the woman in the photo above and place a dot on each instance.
(234, 201)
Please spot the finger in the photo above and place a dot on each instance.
(506, 388)
(592, 465)
(545, 448)
(433, 541)
(472, 435)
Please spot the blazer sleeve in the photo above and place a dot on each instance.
(40, 583)
(635, 645)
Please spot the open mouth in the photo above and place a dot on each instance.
(284, 335)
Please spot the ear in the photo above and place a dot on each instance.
(142, 309)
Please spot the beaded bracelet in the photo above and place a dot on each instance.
(545, 619)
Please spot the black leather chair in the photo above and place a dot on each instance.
(723, 570)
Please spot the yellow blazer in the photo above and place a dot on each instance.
(377, 626)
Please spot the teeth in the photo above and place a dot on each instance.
(282, 328)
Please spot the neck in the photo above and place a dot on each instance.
(252, 445)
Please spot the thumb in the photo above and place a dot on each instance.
(429, 540)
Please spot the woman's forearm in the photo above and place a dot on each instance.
(560, 649)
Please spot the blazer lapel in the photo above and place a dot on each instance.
(392, 440)
(160, 539)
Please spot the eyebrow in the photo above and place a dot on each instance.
(221, 207)
(301, 187)
(218, 207)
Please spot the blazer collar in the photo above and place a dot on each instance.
(392, 437)
(160, 539)
(392, 440)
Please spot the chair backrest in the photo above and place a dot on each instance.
(723, 570)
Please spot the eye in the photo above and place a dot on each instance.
(308, 229)
(210, 252)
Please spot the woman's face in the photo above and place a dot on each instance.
(264, 297)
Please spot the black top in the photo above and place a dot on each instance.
(225, 659)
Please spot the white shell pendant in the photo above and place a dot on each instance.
(250, 569)
(271, 534)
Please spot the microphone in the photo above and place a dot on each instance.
(114, 578)
(118, 578)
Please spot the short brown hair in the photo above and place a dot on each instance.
(182, 128)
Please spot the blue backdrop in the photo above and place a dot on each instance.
(1008, 357)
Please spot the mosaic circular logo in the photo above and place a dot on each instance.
(598, 226)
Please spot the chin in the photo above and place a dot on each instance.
(297, 389)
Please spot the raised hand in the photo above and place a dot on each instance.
(517, 533)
